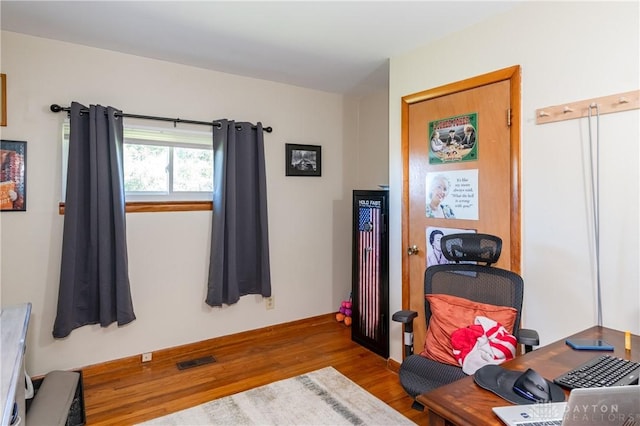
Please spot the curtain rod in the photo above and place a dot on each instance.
(58, 108)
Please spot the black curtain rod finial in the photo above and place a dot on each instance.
(56, 108)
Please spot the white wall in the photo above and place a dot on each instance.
(372, 146)
(566, 54)
(309, 218)
(569, 51)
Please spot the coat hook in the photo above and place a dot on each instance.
(566, 109)
(543, 114)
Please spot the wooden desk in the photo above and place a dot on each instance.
(465, 403)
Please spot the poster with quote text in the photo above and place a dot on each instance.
(452, 194)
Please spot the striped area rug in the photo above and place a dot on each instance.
(322, 397)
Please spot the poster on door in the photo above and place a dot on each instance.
(434, 249)
(452, 194)
(453, 139)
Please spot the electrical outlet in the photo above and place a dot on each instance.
(269, 302)
(146, 357)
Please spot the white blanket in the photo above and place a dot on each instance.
(484, 342)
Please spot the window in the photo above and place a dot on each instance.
(162, 164)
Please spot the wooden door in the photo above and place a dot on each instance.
(479, 180)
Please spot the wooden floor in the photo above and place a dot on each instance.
(128, 392)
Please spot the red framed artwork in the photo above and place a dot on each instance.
(13, 178)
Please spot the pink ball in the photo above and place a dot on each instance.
(348, 305)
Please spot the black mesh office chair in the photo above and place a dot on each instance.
(478, 282)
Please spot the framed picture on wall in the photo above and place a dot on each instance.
(303, 160)
(3, 99)
(13, 179)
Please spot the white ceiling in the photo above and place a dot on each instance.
(334, 46)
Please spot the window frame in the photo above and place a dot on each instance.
(175, 201)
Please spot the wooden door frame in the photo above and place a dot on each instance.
(513, 75)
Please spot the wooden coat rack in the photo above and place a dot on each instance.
(607, 104)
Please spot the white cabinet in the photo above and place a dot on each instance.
(14, 321)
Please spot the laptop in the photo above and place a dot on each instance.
(607, 406)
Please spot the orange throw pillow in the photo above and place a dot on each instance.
(449, 313)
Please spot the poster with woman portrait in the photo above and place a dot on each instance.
(452, 194)
(434, 249)
(453, 139)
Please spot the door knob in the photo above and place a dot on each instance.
(413, 250)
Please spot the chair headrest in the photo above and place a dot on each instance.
(471, 247)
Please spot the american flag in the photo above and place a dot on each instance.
(369, 262)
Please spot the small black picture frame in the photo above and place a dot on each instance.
(303, 160)
(13, 175)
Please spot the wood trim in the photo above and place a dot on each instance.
(161, 206)
(405, 202)
(184, 352)
(459, 86)
(516, 225)
(3, 99)
(393, 365)
(513, 74)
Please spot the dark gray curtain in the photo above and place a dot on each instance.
(239, 262)
(94, 277)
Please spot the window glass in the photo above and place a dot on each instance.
(146, 168)
(192, 169)
(162, 164)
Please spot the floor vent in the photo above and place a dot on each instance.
(183, 365)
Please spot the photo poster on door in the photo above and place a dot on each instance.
(434, 251)
(452, 194)
(453, 139)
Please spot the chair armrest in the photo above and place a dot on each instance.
(404, 317)
(529, 338)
